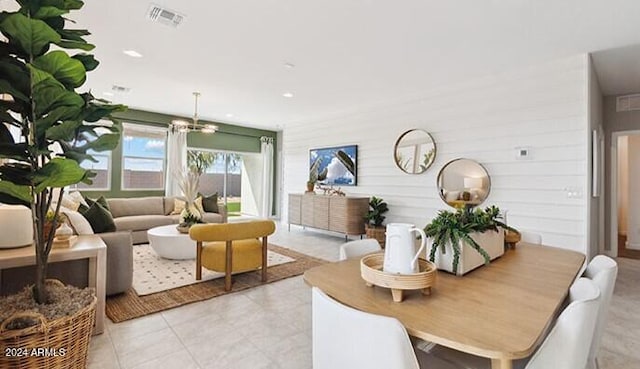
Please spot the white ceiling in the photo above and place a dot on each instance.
(347, 54)
(618, 70)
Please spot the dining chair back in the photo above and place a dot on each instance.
(602, 270)
(530, 237)
(565, 347)
(567, 344)
(347, 338)
(359, 248)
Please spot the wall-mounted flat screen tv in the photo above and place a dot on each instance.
(334, 165)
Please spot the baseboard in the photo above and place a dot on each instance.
(633, 246)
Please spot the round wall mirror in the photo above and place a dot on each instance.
(463, 183)
(415, 151)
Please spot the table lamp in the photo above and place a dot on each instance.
(16, 226)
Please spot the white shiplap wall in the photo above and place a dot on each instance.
(542, 107)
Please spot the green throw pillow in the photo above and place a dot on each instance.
(100, 200)
(210, 203)
(100, 218)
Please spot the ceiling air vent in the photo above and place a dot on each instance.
(120, 89)
(628, 102)
(165, 16)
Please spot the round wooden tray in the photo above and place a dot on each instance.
(371, 271)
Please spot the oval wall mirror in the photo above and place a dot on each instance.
(415, 151)
(463, 183)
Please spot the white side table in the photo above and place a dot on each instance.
(86, 247)
(168, 243)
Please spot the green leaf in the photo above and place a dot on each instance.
(22, 193)
(14, 71)
(49, 12)
(78, 156)
(14, 151)
(104, 142)
(32, 36)
(89, 62)
(74, 34)
(61, 113)
(64, 131)
(49, 94)
(68, 71)
(5, 87)
(63, 4)
(81, 45)
(95, 112)
(5, 135)
(58, 172)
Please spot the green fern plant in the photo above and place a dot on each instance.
(450, 228)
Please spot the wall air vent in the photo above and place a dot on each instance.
(120, 89)
(165, 16)
(628, 102)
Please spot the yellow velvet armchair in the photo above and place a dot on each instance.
(232, 247)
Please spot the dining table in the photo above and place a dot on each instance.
(501, 311)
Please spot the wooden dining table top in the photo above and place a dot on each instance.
(499, 311)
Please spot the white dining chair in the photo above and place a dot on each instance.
(602, 270)
(359, 248)
(565, 347)
(530, 237)
(345, 338)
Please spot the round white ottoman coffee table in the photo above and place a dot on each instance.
(168, 243)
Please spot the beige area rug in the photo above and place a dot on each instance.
(152, 274)
(130, 305)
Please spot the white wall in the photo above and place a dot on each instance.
(542, 107)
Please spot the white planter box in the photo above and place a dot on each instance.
(492, 242)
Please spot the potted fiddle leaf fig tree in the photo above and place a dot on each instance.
(43, 65)
(479, 230)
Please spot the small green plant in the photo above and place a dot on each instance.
(452, 227)
(377, 207)
(189, 219)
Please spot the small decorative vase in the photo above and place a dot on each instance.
(64, 232)
(310, 186)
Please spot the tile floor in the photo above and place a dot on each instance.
(270, 326)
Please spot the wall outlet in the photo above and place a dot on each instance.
(573, 192)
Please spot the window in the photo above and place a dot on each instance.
(143, 157)
(101, 167)
(224, 176)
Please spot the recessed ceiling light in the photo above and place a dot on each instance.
(107, 93)
(132, 53)
(287, 94)
(229, 115)
(289, 65)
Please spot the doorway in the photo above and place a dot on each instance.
(625, 191)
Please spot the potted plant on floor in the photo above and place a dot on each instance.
(59, 128)
(374, 220)
(480, 230)
(189, 181)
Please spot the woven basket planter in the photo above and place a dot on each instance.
(60, 344)
(378, 233)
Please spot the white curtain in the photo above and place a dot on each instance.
(176, 161)
(266, 149)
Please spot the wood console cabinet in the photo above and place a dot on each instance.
(344, 214)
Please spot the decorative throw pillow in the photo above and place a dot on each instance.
(78, 222)
(100, 200)
(210, 203)
(100, 218)
(178, 205)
